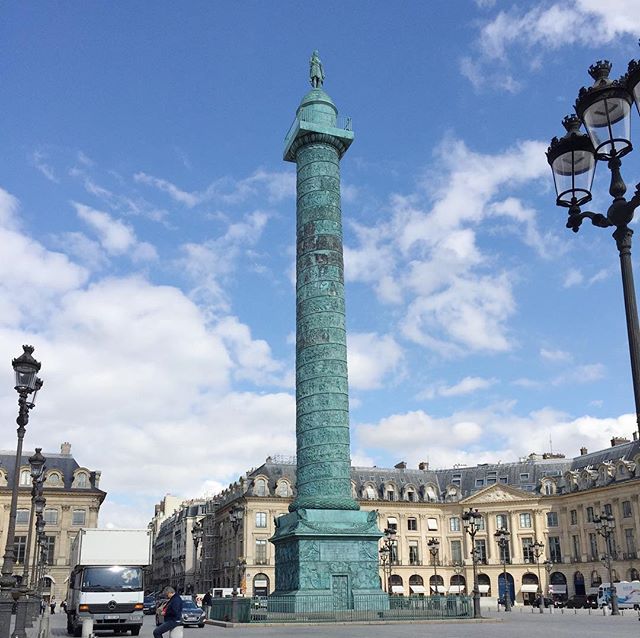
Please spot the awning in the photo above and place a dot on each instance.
(483, 589)
(439, 588)
(417, 589)
(529, 588)
(397, 589)
(260, 583)
(557, 589)
(392, 520)
(456, 589)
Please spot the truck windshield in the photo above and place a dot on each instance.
(114, 578)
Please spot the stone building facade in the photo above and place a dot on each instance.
(73, 498)
(546, 498)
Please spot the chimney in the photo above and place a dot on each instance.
(583, 451)
(401, 466)
(423, 465)
(618, 440)
(65, 448)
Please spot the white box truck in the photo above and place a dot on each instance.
(627, 593)
(106, 581)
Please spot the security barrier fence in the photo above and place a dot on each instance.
(279, 609)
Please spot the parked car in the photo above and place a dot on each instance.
(581, 602)
(149, 605)
(548, 602)
(191, 613)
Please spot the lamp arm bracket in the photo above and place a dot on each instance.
(597, 219)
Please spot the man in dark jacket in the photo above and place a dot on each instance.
(172, 613)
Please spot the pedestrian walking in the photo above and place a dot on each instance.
(172, 613)
(52, 605)
(206, 603)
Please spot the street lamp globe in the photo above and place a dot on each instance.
(605, 110)
(36, 463)
(573, 164)
(633, 81)
(26, 369)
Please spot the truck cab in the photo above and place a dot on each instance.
(111, 595)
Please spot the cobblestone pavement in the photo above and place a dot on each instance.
(520, 623)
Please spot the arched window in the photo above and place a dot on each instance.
(370, 492)
(282, 489)
(596, 581)
(81, 480)
(430, 493)
(633, 574)
(260, 585)
(25, 477)
(54, 480)
(261, 487)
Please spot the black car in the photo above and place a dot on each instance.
(149, 605)
(191, 613)
(548, 602)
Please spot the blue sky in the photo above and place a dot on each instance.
(147, 226)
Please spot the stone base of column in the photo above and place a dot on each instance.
(328, 560)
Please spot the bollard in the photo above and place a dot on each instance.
(177, 632)
(87, 627)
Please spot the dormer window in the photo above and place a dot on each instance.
(81, 480)
(261, 487)
(54, 480)
(25, 478)
(282, 489)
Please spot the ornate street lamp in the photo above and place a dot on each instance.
(433, 544)
(548, 565)
(502, 538)
(470, 522)
(387, 555)
(605, 526)
(27, 382)
(605, 111)
(196, 534)
(538, 550)
(457, 570)
(235, 517)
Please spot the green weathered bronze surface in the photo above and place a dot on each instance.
(324, 546)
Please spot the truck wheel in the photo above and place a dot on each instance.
(135, 631)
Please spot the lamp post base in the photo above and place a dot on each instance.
(476, 605)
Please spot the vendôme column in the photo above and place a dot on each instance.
(325, 545)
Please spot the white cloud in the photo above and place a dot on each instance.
(116, 237)
(372, 358)
(38, 160)
(581, 374)
(546, 27)
(209, 263)
(428, 251)
(136, 369)
(573, 278)
(467, 385)
(555, 355)
(277, 185)
(469, 437)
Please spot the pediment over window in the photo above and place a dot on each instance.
(496, 494)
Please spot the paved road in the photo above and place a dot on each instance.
(521, 624)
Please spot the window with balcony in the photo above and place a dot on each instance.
(261, 551)
(21, 548)
(481, 550)
(414, 558)
(555, 552)
(525, 520)
(577, 550)
(630, 542)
